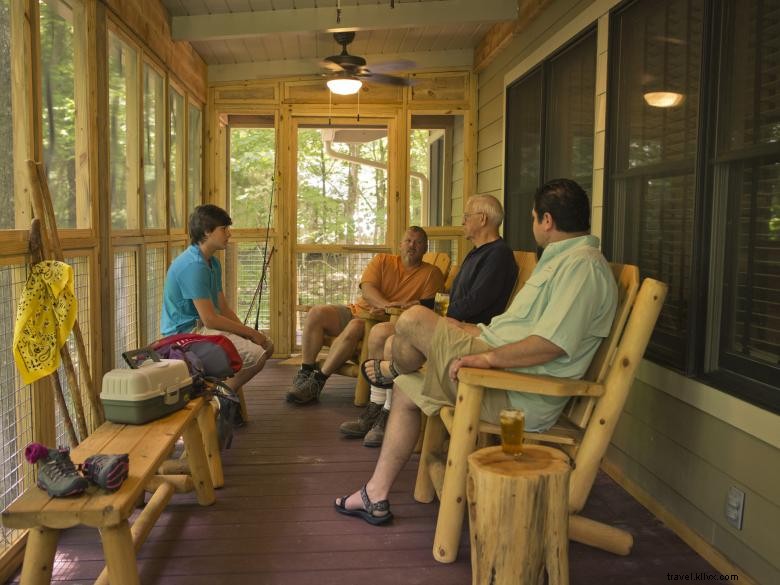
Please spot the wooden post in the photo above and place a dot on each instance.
(518, 512)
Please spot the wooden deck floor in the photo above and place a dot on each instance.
(274, 523)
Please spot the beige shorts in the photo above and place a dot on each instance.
(249, 351)
(432, 388)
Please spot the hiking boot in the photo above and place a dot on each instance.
(307, 391)
(358, 428)
(58, 476)
(376, 435)
(107, 471)
(301, 376)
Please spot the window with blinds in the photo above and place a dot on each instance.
(747, 189)
(694, 182)
(653, 153)
(549, 132)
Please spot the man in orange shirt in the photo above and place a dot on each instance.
(388, 281)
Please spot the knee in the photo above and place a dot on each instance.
(408, 319)
(321, 317)
(379, 335)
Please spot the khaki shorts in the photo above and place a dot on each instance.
(432, 388)
(249, 351)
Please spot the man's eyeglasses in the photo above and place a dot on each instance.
(468, 215)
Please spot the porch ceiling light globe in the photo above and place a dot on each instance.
(344, 85)
(664, 99)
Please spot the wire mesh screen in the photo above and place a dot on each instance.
(173, 251)
(125, 304)
(15, 403)
(248, 268)
(81, 288)
(155, 279)
(328, 278)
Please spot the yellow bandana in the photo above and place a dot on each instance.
(44, 318)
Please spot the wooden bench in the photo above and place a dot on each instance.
(148, 446)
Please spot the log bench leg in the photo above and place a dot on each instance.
(199, 466)
(208, 428)
(39, 555)
(119, 553)
(242, 404)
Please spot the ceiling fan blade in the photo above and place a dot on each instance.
(331, 65)
(392, 66)
(386, 79)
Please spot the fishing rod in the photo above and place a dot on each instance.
(258, 296)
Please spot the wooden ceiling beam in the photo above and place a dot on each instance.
(427, 60)
(364, 17)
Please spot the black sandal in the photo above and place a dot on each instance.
(381, 381)
(367, 512)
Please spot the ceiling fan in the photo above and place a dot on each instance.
(349, 71)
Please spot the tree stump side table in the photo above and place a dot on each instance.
(518, 516)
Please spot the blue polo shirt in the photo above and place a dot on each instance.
(189, 277)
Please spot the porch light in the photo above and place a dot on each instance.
(664, 99)
(344, 85)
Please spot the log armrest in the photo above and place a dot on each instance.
(532, 384)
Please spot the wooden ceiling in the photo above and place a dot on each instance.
(250, 39)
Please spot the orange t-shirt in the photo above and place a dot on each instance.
(399, 284)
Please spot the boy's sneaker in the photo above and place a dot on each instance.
(107, 471)
(58, 475)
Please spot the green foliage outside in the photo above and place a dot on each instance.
(6, 126)
(121, 65)
(341, 202)
(252, 155)
(59, 113)
(418, 162)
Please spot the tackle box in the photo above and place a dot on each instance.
(150, 391)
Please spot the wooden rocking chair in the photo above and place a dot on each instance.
(584, 430)
(352, 367)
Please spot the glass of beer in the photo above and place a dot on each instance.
(441, 304)
(512, 427)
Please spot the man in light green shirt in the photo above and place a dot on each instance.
(553, 326)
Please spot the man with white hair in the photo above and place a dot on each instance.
(480, 291)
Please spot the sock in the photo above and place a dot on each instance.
(378, 395)
(308, 367)
(320, 376)
(389, 399)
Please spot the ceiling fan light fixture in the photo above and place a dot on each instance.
(344, 85)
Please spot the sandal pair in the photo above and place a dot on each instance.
(368, 509)
(380, 381)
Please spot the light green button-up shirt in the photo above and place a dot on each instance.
(570, 300)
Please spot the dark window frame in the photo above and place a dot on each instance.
(742, 377)
(517, 222)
